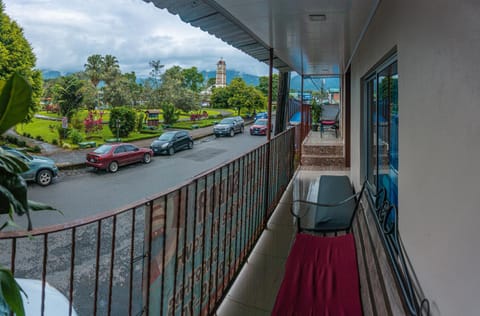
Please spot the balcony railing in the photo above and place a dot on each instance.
(174, 253)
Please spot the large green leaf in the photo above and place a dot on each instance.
(15, 96)
(11, 163)
(37, 206)
(10, 290)
(16, 195)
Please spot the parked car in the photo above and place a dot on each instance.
(40, 169)
(55, 302)
(261, 115)
(259, 127)
(240, 120)
(228, 127)
(171, 142)
(111, 156)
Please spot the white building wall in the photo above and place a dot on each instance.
(438, 46)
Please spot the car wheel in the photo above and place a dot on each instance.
(171, 151)
(232, 133)
(190, 145)
(113, 167)
(216, 135)
(147, 158)
(44, 177)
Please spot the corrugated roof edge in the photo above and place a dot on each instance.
(208, 15)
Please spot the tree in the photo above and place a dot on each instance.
(68, 93)
(238, 95)
(173, 90)
(134, 90)
(263, 86)
(153, 84)
(16, 55)
(249, 98)
(156, 72)
(211, 82)
(116, 93)
(192, 79)
(122, 120)
(169, 113)
(111, 69)
(94, 68)
(219, 98)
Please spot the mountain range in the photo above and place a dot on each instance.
(295, 81)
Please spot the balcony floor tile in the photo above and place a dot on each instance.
(255, 290)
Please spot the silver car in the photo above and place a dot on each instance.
(228, 127)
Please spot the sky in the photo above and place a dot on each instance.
(63, 33)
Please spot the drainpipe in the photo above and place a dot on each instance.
(303, 120)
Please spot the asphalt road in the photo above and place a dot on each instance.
(88, 193)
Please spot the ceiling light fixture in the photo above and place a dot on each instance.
(317, 17)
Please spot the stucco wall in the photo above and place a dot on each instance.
(438, 47)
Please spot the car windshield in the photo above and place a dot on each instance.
(261, 122)
(103, 149)
(227, 121)
(167, 136)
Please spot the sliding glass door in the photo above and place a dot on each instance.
(381, 134)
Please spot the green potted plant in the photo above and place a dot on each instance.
(316, 110)
(15, 95)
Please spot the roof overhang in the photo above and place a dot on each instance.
(310, 37)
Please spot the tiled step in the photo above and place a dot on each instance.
(326, 161)
(322, 150)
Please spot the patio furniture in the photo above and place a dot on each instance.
(353, 264)
(329, 118)
(321, 274)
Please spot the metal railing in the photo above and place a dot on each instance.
(171, 254)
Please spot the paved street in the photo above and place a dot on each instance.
(82, 192)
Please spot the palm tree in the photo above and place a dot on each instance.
(155, 73)
(94, 68)
(111, 68)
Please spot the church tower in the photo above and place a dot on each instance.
(221, 78)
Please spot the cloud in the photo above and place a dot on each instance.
(64, 33)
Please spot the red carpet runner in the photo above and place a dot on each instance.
(321, 278)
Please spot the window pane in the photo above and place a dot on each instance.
(388, 131)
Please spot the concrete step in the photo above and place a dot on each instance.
(323, 161)
(322, 149)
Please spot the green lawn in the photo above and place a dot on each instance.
(47, 130)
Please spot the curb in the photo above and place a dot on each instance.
(73, 166)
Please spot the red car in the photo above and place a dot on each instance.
(259, 127)
(111, 156)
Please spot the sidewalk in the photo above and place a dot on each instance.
(71, 159)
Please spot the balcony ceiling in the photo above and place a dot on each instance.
(310, 37)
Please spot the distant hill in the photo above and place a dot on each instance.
(50, 74)
(313, 84)
(295, 82)
(249, 79)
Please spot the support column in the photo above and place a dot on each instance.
(283, 112)
(269, 122)
(270, 74)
